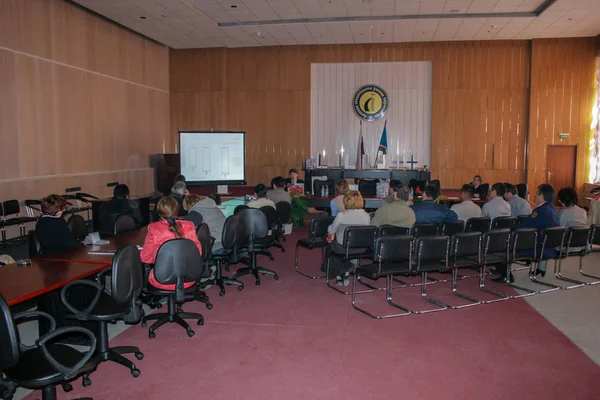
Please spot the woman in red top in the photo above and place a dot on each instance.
(168, 228)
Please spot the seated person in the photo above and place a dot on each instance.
(394, 185)
(466, 208)
(278, 192)
(479, 191)
(291, 183)
(337, 203)
(497, 206)
(397, 213)
(354, 214)
(181, 178)
(211, 215)
(51, 230)
(261, 198)
(178, 192)
(118, 205)
(518, 205)
(167, 228)
(571, 214)
(428, 212)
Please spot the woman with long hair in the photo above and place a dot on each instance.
(167, 228)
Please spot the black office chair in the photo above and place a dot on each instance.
(195, 217)
(257, 228)
(419, 230)
(284, 210)
(357, 244)
(206, 242)
(178, 261)
(33, 244)
(576, 244)
(485, 190)
(521, 218)
(318, 184)
(392, 256)
(10, 213)
(392, 230)
(450, 228)
(124, 223)
(465, 252)
(478, 224)
(44, 364)
(495, 249)
(232, 240)
(367, 187)
(550, 238)
(505, 222)
(593, 239)
(239, 209)
(522, 190)
(77, 226)
(120, 301)
(317, 234)
(523, 252)
(269, 240)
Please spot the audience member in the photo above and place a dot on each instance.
(261, 197)
(337, 203)
(397, 213)
(479, 191)
(167, 228)
(118, 205)
(178, 192)
(497, 206)
(571, 214)
(354, 214)
(181, 178)
(428, 212)
(211, 215)
(518, 205)
(51, 229)
(278, 192)
(466, 208)
(392, 190)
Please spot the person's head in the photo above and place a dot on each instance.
(467, 192)
(477, 180)
(568, 197)
(511, 190)
(353, 200)
(402, 192)
(261, 190)
(278, 182)
(168, 210)
(293, 173)
(341, 187)
(178, 189)
(121, 191)
(394, 186)
(545, 193)
(498, 190)
(429, 192)
(190, 200)
(53, 205)
(179, 178)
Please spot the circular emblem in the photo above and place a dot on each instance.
(370, 102)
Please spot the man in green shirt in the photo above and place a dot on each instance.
(397, 212)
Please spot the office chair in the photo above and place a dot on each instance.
(232, 240)
(206, 242)
(478, 224)
(419, 230)
(34, 246)
(239, 209)
(495, 249)
(9, 212)
(392, 230)
(284, 209)
(594, 239)
(465, 252)
(550, 238)
(124, 223)
(505, 222)
(120, 303)
(178, 261)
(367, 187)
(44, 364)
(317, 233)
(576, 244)
(257, 228)
(269, 240)
(196, 218)
(77, 226)
(392, 256)
(451, 228)
(523, 251)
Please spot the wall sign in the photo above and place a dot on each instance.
(370, 102)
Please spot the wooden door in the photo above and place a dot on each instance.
(561, 163)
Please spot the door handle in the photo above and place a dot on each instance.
(549, 176)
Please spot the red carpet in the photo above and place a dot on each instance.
(297, 339)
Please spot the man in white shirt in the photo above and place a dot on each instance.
(466, 208)
(518, 205)
(497, 206)
(261, 197)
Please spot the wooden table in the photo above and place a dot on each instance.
(375, 202)
(19, 284)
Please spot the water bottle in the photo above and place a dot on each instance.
(323, 191)
(326, 191)
(411, 195)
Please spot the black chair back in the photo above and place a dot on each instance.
(451, 228)
(367, 187)
(124, 223)
(522, 190)
(479, 224)
(35, 248)
(255, 223)
(318, 226)
(551, 238)
(178, 261)
(414, 184)
(431, 253)
(284, 209)
(389, 230)
(504, 222)
(233, 232)
(577, 236)
(10, 207)
(595, 234)
(127, 278)
(521, 218)
(318, 184)
(203, 233)
(485, 190)
(9, 345)
(393, 249)
(523, 240)
(496, 242)
(77, 226)
(359, 236)
(239, 209)
(419, 230)
(466, 244)
(271, 215)
(195, 217)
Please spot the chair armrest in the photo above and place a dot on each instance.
(73, 371)
(100, 277)
(29, 314)
(81, 314)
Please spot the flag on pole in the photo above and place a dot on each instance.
(383, 142)
(360, 150)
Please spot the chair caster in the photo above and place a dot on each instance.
(200, 321)
(144, 324)
(257, 282)
(7, 394)
(67, 387)
(271, 258)
(222, 293)
(276, 277)
(240, 288)
(151, 335)
(282, 250)
(135, 372)
(86, 381)
(209, 306)
(190, 333)
(139, 356)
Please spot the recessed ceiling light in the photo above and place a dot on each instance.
(164, 15)
(454, 10)
(570, 19)
(233, 6)
(257, 33)
(142, 17)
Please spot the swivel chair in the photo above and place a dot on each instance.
(232, 240)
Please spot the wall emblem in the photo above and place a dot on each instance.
(370, 102)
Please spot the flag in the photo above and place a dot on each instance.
(383, 142)
(360, 149)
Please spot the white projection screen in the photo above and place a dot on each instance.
(213, 157)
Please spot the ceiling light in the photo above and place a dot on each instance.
(455, 10)
(257, 33)
(164, 15)
(233, 6)
(142, 17)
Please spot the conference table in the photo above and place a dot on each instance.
(375, 202)
(143, 204)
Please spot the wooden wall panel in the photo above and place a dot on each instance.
(83, 102)
(562, 96)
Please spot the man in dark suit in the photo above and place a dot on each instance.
(118, 205)
(428, 212)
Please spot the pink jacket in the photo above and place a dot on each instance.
(158, 233)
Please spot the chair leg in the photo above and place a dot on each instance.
(255, 270)
(305, 274)
(533, 278)
(586, 274)
(474, 302)
(501, 296)
(558, 275)
(441, 306)
(328, 282)
(528, 291)
(49, 392)
(388, 286)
